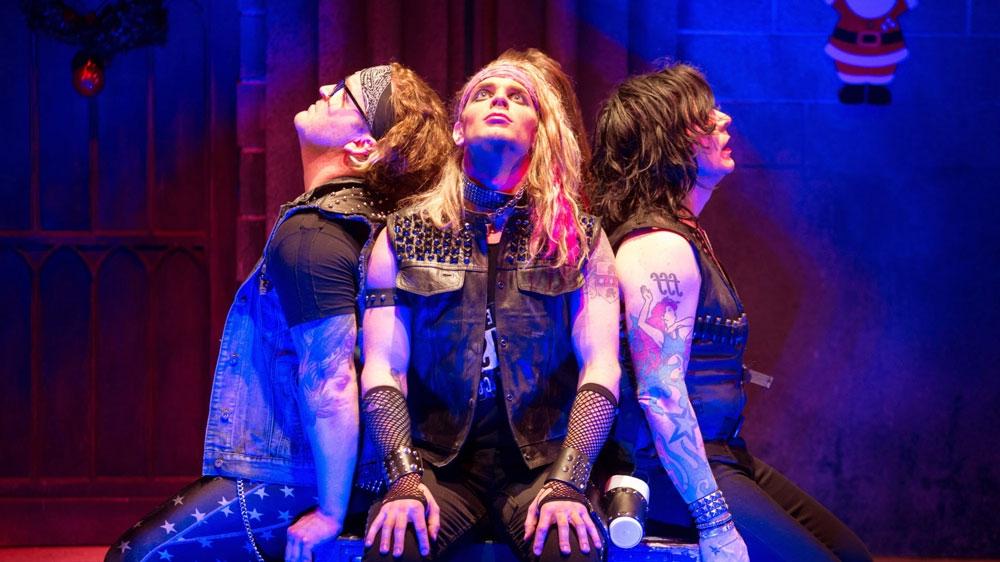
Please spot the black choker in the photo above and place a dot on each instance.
(486, 199)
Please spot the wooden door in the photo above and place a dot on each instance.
(116, 221)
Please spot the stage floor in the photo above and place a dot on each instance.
(96, 554)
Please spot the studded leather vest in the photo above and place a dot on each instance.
(443, 274)
(715, 373)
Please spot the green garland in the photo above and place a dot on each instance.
(114, 28)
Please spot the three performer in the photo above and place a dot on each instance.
(492, 375)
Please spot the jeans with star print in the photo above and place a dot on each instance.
(204, 521)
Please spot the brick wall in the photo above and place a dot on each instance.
(864, 242)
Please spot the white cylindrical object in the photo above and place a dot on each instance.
(626, 512)
(626, 481)
(625, 531)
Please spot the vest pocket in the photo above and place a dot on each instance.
(426, 281)
(549, 281)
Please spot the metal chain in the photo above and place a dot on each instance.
(491, 216)
(246, 518)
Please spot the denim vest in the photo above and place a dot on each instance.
(254, 430)
(443, 275)
(715, 373)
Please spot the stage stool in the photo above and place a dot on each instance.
(349, 549)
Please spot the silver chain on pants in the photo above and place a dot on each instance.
(246, 518)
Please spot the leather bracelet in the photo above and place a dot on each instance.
(381, 297)
(714, 524)
(638, 498)
(571, 467)
(716, 531)
(405, 460)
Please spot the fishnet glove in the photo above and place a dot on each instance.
(407, 487)
(388, 422)
(561, 491)
(590, 419)
(387, 419)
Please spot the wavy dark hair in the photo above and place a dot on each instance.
(644, 142)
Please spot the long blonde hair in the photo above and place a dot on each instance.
(552, 182)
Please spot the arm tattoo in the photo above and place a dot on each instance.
(400, 378)
(728, 548)
(600, 279)
(326, 361)
(660, 341)
(667, 284)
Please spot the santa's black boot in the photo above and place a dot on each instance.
(879, 95)
(852, 94)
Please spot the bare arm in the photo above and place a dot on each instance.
(661, 363)
(660, 266)
(387, 356)
(328, 406)
(329, 403)
(594, 317)
(594, 312)
(386, 328)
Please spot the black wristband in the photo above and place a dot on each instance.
(375, 298)
(572, 468)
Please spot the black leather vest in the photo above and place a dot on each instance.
(444, 274)
(715, 373)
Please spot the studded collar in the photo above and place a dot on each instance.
(346, 196)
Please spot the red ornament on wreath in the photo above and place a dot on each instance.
(115, 28)
(88, 74)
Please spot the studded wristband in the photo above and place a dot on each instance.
(382, 297)
(405, 460)
(571, 467)
(709, 507)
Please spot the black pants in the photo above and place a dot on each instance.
(489, 489)
(776, 518)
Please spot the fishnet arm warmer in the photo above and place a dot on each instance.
(388, 422)
(590, 419)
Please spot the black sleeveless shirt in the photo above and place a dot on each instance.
(715, 374)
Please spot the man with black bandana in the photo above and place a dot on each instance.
(282, 435)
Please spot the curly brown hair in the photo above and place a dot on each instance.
(413, 151)
(644, 143)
